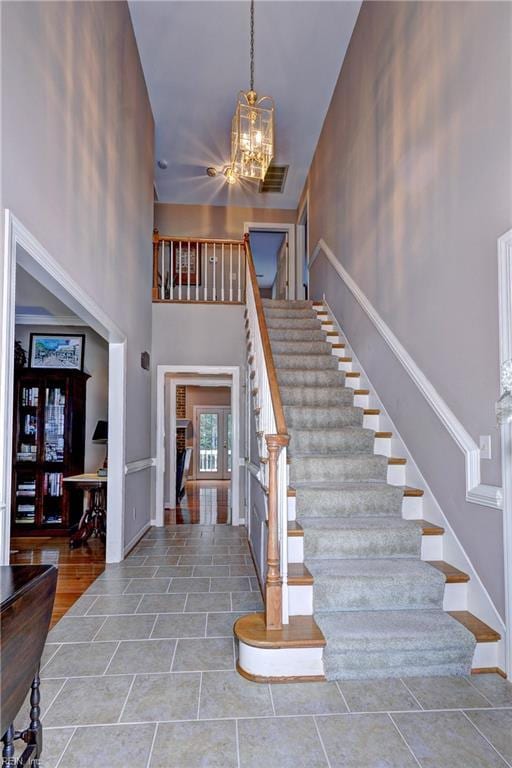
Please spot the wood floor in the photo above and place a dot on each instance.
(77, 567)
(205, 502)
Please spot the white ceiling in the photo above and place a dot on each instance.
(195, 57)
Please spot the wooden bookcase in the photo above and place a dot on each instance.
(48, 445)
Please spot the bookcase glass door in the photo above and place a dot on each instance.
(54, 423)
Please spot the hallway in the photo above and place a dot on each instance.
(148, 654)
(205, 502)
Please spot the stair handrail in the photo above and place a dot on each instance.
(273, 424)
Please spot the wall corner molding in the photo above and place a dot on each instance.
(476, 492)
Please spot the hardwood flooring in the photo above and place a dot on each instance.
(77, 568)
(205, 502)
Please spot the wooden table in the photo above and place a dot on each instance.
(94, 519)
(27, 593)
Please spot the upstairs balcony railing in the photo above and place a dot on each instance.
(200, 270)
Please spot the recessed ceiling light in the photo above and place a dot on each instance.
(163, 164)
(211, 171)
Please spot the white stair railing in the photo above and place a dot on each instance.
(198, 270)
(273, 474)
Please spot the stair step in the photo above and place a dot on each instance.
(361, 391)
(482, 631)
(413, 491)
(338, 345)
(371, 411)
(299, 575)
(383, 435)
(452, 574)
(352, 374)
(332, 333)
(394, 461)
(430, 529)
(301, 632)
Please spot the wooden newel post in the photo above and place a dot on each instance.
(273, 586)
(155, 264)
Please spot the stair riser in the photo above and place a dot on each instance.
(288, 334)
(318, 379)
(356, 665)
(333, 398)
(362, 544)
(289, 314)
(300, 600)
(281, 662)
(288, 304)
(412, 509)
(397, 474)
(332, 416)
(342, 469)
(293, 325)
(301, 348)
(431, 550)
(382, 446)
(325, 442)
(377, 595)
(327, 503)
(307, 363)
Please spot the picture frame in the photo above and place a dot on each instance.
(57, 350)
(181, 254)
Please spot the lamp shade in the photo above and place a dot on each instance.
(101, 432)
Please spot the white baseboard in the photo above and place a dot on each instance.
(138, 536)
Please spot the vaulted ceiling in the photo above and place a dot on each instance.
(195, 57)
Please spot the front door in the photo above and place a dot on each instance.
(212, 443)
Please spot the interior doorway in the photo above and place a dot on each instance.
(205, 423)
(23, 251)
(274, 254)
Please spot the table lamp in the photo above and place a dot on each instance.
(101, 436)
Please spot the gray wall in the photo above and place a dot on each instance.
(77, 151)
(200, 334)
(410, 187)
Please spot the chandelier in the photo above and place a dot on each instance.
(252, 128)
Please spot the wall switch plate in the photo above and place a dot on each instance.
(485, 447)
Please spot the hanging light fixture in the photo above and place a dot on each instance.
(252, 128)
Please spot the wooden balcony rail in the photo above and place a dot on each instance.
(272, 425)
(194, 269)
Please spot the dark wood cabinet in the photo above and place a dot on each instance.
(48, 445)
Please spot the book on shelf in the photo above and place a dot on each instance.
(26, 508)
(30, 396)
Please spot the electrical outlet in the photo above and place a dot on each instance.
(485, 447)
(135, 513)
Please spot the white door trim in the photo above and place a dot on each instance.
(200, 370)
(302, 247)
(292, 254)
(505, 319)
(43, 267)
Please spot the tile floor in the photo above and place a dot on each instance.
(140, 673)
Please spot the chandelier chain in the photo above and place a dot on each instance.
(252, 45)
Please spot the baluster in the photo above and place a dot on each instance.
(273, 590)
(179, 275)
(162, 269)
(171, 270)
(8, 749)
(214, 297)
(155, 264)
(231, 271)
(188, 272)
(222, 273)
(239, 275)
(198, 267)
(206, 271)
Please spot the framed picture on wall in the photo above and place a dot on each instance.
(186, 261)
(57, 350)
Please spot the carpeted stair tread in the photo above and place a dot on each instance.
(326, 379)
(307, 323)
(280, 312)
(305, 363)
(285, 304)
(331, 439)
(365, 644)
(338, 467)
(294, 334)
(329, 500)
(302, 347)
(366, 537)
(375, 584)
(310, 407)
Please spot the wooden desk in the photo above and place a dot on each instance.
(27, 593)
(94, 519)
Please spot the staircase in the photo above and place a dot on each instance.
(355, 562)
